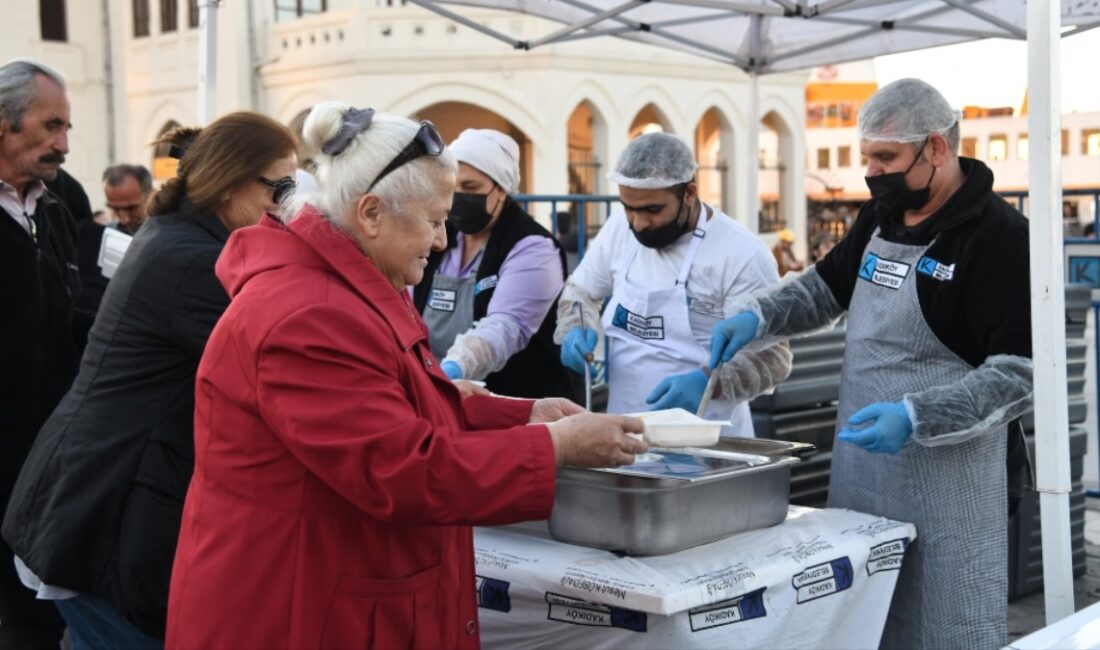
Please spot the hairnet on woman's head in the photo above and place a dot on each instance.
(654, 161)
(491, 152)
(907, 110)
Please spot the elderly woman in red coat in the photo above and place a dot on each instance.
(337, 469)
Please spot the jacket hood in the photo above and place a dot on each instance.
(267, 246)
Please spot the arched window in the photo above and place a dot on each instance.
(141, 18)
(169, 16)
(51, 16)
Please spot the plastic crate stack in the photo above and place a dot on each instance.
(1025, 553)
(803, 409)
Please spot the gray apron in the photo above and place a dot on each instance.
(450, 310)
(953, 587)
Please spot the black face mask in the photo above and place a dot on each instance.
(468, 212)
(892, 195)
(663, 235)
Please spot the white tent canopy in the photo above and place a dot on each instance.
(763, 36)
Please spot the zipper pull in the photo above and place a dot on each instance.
(34, 236)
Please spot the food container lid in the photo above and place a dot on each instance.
(692, 465)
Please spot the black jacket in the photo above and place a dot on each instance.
(984, 309)
(38, 353)
(536, 370)
(98, 504)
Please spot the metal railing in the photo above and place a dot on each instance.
(589, 212)
(1019, 199)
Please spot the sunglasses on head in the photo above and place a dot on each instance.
(427, 142)
(282, 187)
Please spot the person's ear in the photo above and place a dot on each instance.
(368, 214)
(937, 150)
(691, 193)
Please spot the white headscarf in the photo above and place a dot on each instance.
(493, 153)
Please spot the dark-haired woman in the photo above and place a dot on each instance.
(96, 511)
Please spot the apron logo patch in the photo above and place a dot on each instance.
(579, 612)
(493, 594)
(887, 556)
(883, 272)
(442, 300)
(934, 269)
(650, 329)
(728, 612)
(823, 580)
(484, 284)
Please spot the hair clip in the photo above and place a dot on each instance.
(354, 122)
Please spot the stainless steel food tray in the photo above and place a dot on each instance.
(684, 498)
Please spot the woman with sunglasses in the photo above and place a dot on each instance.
(337, 468)
(96, 511)
(490, 299)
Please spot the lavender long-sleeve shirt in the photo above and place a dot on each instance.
(529, 282)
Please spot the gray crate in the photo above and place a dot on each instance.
(1025, 544)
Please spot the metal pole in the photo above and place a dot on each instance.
(752, 181)
(208, 60)
(1048, 306)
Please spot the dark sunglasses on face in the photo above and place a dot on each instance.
(282, 187)
(427, 142)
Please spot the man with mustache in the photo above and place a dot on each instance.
(38, 354)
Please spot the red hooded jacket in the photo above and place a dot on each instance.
(337, 469)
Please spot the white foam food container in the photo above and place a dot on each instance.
(678, 428)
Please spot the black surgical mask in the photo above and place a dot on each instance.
(892, 195)
(469, 214)
(663, 235)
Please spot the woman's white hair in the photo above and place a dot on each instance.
(342, 179)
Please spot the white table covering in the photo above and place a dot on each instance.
(820, 579)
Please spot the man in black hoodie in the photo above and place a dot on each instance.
(937, 369)
(38, 354)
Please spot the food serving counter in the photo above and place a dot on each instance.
(819, 579)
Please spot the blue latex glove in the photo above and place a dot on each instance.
(890, 427)
(576, 344)
(731, 335)
(453, 370)
(679, 391)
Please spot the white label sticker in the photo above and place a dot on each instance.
(112, 250)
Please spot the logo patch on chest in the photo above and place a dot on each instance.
(935, 269)
(442, 300)
(650, 329)
(883, 272)
(484, 284)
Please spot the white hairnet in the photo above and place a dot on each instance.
(907, 110)
(493, 153)
(654, 161)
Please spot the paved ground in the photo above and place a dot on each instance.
(1027, 614)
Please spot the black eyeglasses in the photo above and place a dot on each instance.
(282, 187)
(427, 142)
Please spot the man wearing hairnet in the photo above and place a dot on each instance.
(672, 267)
(937, 369)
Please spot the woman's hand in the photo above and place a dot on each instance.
(596, 440)
(469, 388)
(552, 409)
